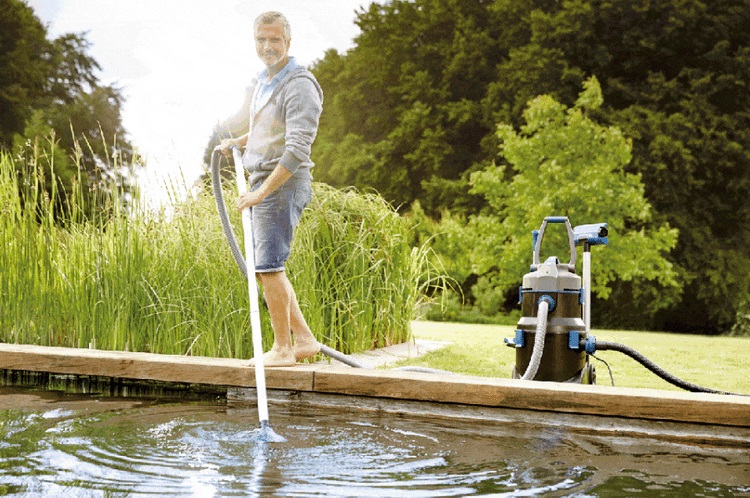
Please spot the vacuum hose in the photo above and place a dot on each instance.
(221, 207)
(346, 360)
(688, 386)
(541, 331)
(237, 253)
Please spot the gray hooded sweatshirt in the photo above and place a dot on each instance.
(282, 131)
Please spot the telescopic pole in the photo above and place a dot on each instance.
(587, 286)
(252, 286)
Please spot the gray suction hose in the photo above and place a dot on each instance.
(425, 370)
(237, 253)
(347, 360)
(221, 207)
(541, 331)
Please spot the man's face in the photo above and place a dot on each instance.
(270, 44)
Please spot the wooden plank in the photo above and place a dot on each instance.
(686, 432)
(147, 366)
(643, 404)
(544, 396)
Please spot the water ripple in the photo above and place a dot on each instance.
(207, 450)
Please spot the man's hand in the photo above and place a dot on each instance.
(226, 145)
(279, 175)
(249, 199)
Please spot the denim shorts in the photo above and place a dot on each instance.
(274, 221)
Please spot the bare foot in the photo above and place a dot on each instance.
(276, 358)
(305, 349)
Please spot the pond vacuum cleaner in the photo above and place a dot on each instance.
(553, 340)
(552, 301)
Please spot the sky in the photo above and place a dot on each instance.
(183, 65)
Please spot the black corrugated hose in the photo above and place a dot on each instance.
(688, 386)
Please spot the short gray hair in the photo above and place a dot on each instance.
(273, 16)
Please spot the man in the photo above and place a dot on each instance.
(284, 108)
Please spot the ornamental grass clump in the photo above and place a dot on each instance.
(358, 277)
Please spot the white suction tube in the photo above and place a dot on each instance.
(541, 331)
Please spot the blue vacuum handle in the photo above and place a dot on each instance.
(557, 219)
(540, 236)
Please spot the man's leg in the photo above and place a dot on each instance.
(286, 316)
(278, 292)
(305, 344)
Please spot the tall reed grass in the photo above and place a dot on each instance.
(139, 280)
(358, 278)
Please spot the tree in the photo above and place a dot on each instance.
(51, 87)
(85, 114)
(674, 77)
(402, 111)
(564, 163)
(24, 53)
(411, 112)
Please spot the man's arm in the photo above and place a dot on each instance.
(303, 109)
(302, 117)
(237, 124)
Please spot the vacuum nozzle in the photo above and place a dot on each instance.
(594, 234)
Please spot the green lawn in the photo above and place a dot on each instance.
(716, 362)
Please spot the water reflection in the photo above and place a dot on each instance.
(65, 445)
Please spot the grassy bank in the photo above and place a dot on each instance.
(709, 361)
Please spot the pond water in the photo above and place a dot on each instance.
(61, 444)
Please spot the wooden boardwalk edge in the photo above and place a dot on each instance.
(457, 390)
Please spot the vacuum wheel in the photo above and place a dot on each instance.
(589, 374)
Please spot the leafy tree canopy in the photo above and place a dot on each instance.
(411, 112)
(402, 110)
(566, 164)
(674, 76)
(53, 107)
(24, 68)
